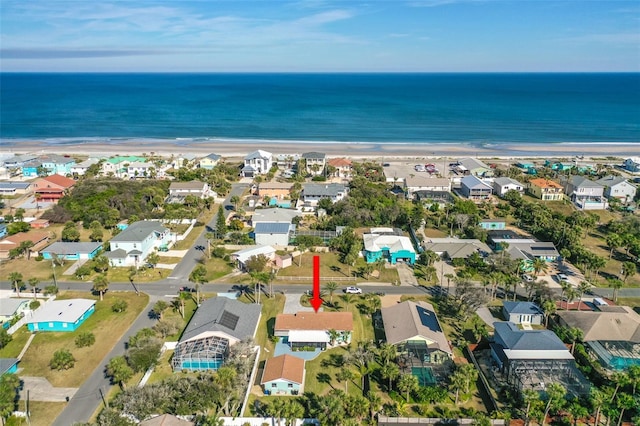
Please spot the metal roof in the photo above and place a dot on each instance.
(71, 248)
(527, 340)
(66, 310)
(272, 228)
(323, 190)
(6, 364)
(9, 306)
(522, 308)
(16, 185)
(138, 231)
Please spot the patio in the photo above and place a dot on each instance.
(283, 348)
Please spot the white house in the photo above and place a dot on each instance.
(132, 246)
(257, 163)
(274, 215)
(139, 170)
(312, 193)
(274, 233)
(632, 164)
(586, 194)
(241, 256)
(618, 187)
(424, 182)
(81, 168)
(179, 190)
(502, 185)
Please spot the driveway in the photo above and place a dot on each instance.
(41, 390)
(292, 304)
(406, 275)
(485, 315)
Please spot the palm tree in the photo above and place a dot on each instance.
(571, 294)
(390, 372)
(613, 242)
(333, 336)
(539, 265)
(616, 284)
(235, 200)
(457, 382)
(597, 398)
(276, 409)
(331, 287)
(634, 376)
(548, 307)
(628, 269)
(33, 282)
(348, 298)
(625, 402)
(583, 288)
(576, 335)
(555, 393)
(100, 284)
(345, 375)
(16, 281)
(531, 398)
(621, 380)
(408, 383)
(292, 410)
(375, 404)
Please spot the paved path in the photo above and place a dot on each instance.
(41, 390)
(485, 315)
(406, 275)
(74, 267)
(292, 304)
(88, 397)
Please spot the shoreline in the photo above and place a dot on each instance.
(389, 150)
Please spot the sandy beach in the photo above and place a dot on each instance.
(382, 151)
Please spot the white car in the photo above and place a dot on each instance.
(353, 290)
(528, 278)
(562, 277)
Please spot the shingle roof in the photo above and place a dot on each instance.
(60, 180)
(138, 231)
(283, 367)
(194, 184)
(16, 185)
(34, 237)
(456, 248)
(522, 308)
(528, 340)
(274, 215)
(166, 420)
(612, 326)
(71, 247)
(213, 157)
(322, 189)
(612, 180)
(9, 306)
(583, 182)
(506, 181)
(340, 321)
(6, 364)
(229, 316)
(272, 228)
(66, 310)
(258, 154)
(317, 155)
(409, 319)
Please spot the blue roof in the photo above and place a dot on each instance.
(16, 185)
(272, 228)
(522, 308)
(527, 340)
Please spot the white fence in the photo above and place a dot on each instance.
(28, 315)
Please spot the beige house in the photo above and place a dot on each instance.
(545, 189)
(279, 190)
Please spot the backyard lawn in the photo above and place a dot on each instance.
(107, 326)
(42, 413)
(19, 339)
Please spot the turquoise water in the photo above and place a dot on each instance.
(401, 108)
(424, 374)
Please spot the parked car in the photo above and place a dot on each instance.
(528, 278)
(353, 290)
(187, 289)
(562, 277)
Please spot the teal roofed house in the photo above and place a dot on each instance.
(383, 243)
(61, 315)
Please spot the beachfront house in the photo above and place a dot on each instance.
(341, 168)
(425, 182)
(118, 166)
(132, 245)
(473, 167)
(209, 162)
(257, 163)
(475, 189)
(80, 169)
(283, 375)
(586, 194)
(618, 187)
(217, 325)
(388, 244)
(545, 189)
(314, 162)
(51, 188)
(61, 315)
(16, 162)
(632, 164)
(502, 185)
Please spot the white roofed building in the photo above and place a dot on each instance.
(389, 246)
(257, 163)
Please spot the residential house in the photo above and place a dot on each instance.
(314, 329)
(57, 164)
(13, 307)
(52, 188)
(39, 223)
(166, 420)
(618, 187)
(61, 315)
(72, 250)
(502, 185)
(283, 375)
(473, 167)
(532, 359)
(456, 248)
(611, 333)
(3, 230)
(217, 325)
(631, 164)
(80, 169)
(343, 167)
(241, 256)
(257, 163)
(492, 224)
(545, 189)
(14, 188)
(183, 160)
(384, 243)
(274, 233)
(132, 245)
(474, 189)
(274, 215)
(139, 170)
(312, 193)
(278, 190)
(522, 313)
(33, 168)
(414, 328)
(178, 191)
(209, 162)
(586, 194)
(38, 238)
(424, 182)
(314, 162)
(18, 161)
(118, 166)
(8, 366)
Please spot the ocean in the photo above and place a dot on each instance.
(476, 109)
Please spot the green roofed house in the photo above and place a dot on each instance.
(423, 348)
(118, 166)
(218, 324)
(386, 243)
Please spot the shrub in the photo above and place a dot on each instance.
(119, 305)
(35, 304)
(85, 339)
(50, 289)
(62, 360)
(5, 337)
(39, 258)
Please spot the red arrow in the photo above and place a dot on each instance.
(316, 301)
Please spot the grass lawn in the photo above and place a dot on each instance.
(595, 243)
(107, 326)
(270, 308)
(634, 302)
(163, 370)
(121, 275)
(32, 268)
(42, 413)
(19, 339)
(217, 268)
(205, 217)
(331, 267)
(170, 260)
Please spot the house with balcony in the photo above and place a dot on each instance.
(50, 189)
(545, 189)
(314, 162)
(632, 164)
(57, 164)
(586, 194)
(475, 189)
(618, 187)
(502, 185)
(209, 162)
(312, 193)
(257, 163)
(118, 166)
(132, 245)
(343, 167)
(16, 162)
(473, 167)
(178, 191)
(80, 169)
(277, 190)
(425, 182)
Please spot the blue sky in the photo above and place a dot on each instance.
(318, 35)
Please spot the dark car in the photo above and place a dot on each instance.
(186, 289)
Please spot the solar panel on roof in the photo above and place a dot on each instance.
(229, 320)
